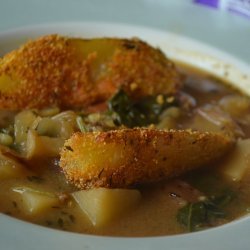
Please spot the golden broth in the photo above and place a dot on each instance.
(156, 214)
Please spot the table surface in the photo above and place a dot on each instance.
(221, 29)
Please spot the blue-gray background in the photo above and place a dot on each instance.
(218, 28)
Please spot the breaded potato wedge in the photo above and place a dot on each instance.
(75, 73)
(124, 158)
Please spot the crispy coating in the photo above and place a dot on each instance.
(124, 158)
(76, 73)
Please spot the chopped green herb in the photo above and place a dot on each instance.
(141, 113)
(80, 124)
(199, 215)
(224, 198)
(202, 214)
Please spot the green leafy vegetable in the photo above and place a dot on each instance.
(144, 112)
(203, 214)
(224, 198)
(80, 124)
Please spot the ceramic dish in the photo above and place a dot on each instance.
(16, 234)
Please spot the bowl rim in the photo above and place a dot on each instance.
(224, 236)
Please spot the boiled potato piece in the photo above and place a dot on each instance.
(238, 162)
(42, 146)
(212, 118)
(60, 125)
(23, 122)
(9, 168)
(49, 127)
(102, 205)
(6, 139)
(237, 106)
(36, 202)
(74, 73)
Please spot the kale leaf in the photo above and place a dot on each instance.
(137, 113)
(202, 214)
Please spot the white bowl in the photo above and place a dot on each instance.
(16, 234)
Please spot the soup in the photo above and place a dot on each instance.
(37, 185)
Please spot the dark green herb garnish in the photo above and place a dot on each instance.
(224, 198)
(141, 113)
(81, 125)
(203, 214)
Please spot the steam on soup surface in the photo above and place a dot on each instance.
(138, 159)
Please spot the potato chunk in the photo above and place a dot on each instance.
(35, 201)
(102, 205)
(23, 122)
(42, 146)
(238, 162)
(75, 73)
(127, 157)
(10, 168)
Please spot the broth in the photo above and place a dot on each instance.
(158, 212)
